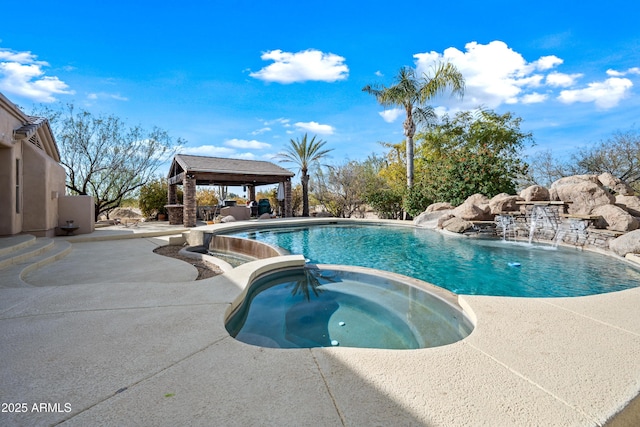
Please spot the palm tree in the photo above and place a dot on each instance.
(412, 94)
(303, 153)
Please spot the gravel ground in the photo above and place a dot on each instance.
(205, 270)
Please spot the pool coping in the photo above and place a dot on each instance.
(551, 361)
(628, 410)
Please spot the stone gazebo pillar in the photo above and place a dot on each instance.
(288, 201)
(172, 196)
(189, 187)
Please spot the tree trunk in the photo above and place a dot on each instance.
(305, 193)
(409, 161)
(409, 130)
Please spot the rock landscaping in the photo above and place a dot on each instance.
(601, 211)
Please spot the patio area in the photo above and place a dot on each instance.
(113, 334)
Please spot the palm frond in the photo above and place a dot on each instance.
(442, 77)
(424, 115)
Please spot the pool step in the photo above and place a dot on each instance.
(20, 255)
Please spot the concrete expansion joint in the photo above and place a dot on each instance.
(584, 316)
(538, 386)
(326, 385)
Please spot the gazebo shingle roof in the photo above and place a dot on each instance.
(223, 165)
(224, 171)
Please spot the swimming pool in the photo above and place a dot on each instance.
(332, 306)
(461, 265)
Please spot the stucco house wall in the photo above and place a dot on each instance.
(10, 152)
(32, 181)
(75, 208)
(43, 184)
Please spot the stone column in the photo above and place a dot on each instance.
(288, 200)
(172, 194)
(189, 187)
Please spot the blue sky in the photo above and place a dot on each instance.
(241, 78)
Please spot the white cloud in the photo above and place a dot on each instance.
(606, 94)
(245, 144)
(556, 79)
(615, 73)
(20, 57)
(262, 130)
(534, 98)
(280, 121)
(22, 74)
(302, 66)
(247, 156)
(315, 127)
(209, 150)
(116, 96)
(547, 62)
(379, 73)
(391, 115)
(494, 73)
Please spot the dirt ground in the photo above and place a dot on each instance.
(205, 270)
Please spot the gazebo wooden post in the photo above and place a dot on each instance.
(189, 209)
(288, 208)
(252, 192)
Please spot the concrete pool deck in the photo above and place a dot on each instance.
(113, 334)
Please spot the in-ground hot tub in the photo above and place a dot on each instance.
(322, 306)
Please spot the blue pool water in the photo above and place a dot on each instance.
(461, 265)
(303, 308)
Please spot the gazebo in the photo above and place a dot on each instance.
(191, 171)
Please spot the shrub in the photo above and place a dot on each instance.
(153, 197)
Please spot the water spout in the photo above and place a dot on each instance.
(542, 218)
(507, 224)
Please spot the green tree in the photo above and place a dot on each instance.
(153, 197)
(412, 93)
(104, 157)
(206, 197)
(304, 153)
(475, 152)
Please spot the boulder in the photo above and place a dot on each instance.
(504, 202)
(457, 225)
(265, 216)
(628, 243)
(478, 199)
(444, 218)
(630, 204)
(615, 218)
(471, 212)
(430, 219)
(583, 196)
(575, 179)
(475, 208)
(228, 218)
(615, 184)
(534, 193)
(440, 206)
